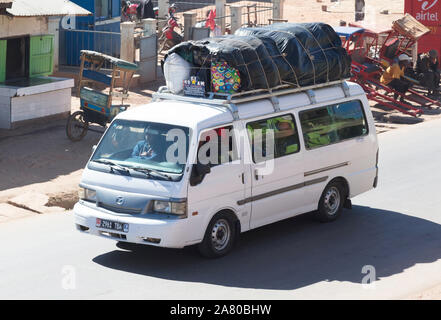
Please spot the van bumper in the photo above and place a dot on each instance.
(169, 233)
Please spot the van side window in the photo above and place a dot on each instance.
(286, 138)
(332, 124)
(221, 150)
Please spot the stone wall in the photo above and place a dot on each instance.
(18, 26)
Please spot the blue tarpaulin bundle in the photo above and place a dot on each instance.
(266, 57)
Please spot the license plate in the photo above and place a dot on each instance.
(112, 225)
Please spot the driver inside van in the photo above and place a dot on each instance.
(144, 149)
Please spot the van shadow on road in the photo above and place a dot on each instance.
(298, 252)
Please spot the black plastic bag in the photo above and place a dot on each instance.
(313, 51)
(248, 54)
(266, 57)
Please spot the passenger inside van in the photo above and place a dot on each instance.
(331, 124)
(225, 150)
(316, 124)
(287, 139)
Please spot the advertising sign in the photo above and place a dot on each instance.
(428, 12)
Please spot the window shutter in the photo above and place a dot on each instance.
(3, 44)
(41, 53)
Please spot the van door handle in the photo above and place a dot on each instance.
(256, 174)
(243, 178)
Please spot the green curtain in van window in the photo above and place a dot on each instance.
(41, 54)
(3, 44)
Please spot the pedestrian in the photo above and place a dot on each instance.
(393, 77)
(428, 73)
(145, 9)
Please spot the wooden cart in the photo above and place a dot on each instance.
(97, 106)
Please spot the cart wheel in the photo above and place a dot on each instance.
(76, 127)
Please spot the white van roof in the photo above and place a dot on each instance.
(203, 113)
(179, 113)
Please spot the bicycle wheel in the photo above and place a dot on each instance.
(77, 126)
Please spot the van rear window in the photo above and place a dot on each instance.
(332, 124)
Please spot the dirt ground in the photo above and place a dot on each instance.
(343, 10)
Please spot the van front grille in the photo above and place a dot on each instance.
(118, 209)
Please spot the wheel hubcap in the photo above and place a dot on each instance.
(332, 201)
(220, 234)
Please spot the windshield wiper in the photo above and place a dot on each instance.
(150, 171)
(113, 166)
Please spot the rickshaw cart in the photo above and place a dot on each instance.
(372, 52)
(97, 106)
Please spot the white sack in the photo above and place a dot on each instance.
(176, 70)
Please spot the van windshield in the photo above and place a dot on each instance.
(152, 147)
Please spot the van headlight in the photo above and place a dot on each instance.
(87, 194)
(171, 207)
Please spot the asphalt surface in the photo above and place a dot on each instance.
(392, 235)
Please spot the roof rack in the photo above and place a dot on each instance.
(230, 101)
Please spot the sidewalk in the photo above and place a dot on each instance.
(40, 168)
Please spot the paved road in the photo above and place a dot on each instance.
(396, 229)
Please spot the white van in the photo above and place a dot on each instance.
(323, 152)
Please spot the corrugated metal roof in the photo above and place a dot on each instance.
(32, 8)
(5, 3)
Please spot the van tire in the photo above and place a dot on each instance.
(219, 237)
(331, 202)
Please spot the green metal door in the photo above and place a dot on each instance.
(3, 44)
(41, 55)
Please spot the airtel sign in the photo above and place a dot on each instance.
(427, 12)
(426, 5)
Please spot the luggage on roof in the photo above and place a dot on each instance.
(313, 50)
(268, 57)
(247, 54)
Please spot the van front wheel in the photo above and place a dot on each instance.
(331, 202)
(219, 236)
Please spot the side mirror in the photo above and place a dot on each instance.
(203, 169)
(198, 172)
